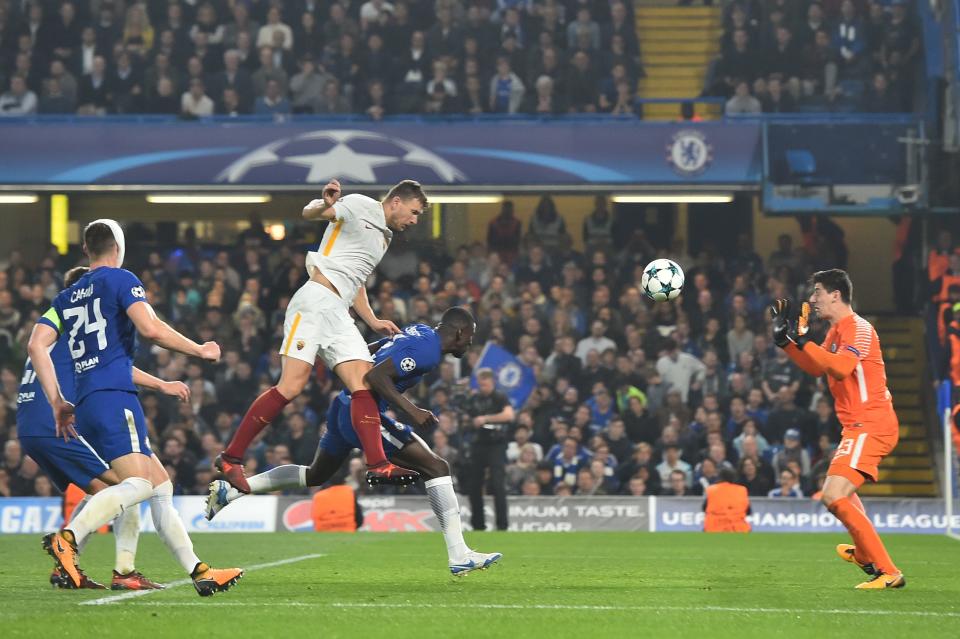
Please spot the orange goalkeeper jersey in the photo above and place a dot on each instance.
(861, 396)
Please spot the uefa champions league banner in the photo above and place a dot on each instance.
(806, 515)
(311, 151)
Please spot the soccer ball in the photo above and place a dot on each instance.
(662, 280)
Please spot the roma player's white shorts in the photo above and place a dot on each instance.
(318, 322)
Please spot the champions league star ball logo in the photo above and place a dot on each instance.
(689, 153)
(347, 154)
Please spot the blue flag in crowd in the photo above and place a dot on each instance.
(513, 377)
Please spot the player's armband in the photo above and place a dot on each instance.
(53, 319)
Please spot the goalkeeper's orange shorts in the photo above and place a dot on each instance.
(862, 447)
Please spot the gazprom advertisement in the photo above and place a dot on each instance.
(311, 151)
(28, 515)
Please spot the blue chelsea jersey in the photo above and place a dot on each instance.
(415, 352)
(101, 339)
(34, 415)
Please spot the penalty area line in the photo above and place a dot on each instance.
(132, 594)
(571, 607)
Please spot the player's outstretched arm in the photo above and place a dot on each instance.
(162, 334)
(361, 304)
(42, 339)
(174, 389)
(382, 380)
(837, 365)
(803, 360)
(322, 209)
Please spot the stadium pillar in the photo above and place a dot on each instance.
(59, 219)
(437, 219)
(680, 229)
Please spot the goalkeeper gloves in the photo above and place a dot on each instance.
(787, 329)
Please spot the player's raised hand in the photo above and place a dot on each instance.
(779, 311)
(780, 308)
(176, 389)
(331, 192)
(210, 351)
(386, 327)
(64, 417)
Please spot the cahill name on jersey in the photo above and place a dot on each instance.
(101, 339)
(862, 396)
(353, 244)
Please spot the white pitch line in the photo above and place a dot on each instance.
(571, 607)
(130, 594)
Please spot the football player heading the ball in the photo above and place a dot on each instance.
(401, 362)
(318, 322)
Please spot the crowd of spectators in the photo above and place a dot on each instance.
(374, 57)
(787, 55)
(631, 397)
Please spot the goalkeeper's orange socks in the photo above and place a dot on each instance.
(870, 548)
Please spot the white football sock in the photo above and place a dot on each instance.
(444, 503)
(170, 527)
(126, 530)
(76, 511)
(279, 478)
(109, 503)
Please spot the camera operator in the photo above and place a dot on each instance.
(491, 417)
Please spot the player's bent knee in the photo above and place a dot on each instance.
(293, 378)
(107, 478)
(99, 483)
(290, 386)
(436, 467)
(827, 498)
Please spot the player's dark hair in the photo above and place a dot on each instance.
(457, 318)
(73, 275)
(834, 279)
(728, 474)
(408, 189)
(98, 239)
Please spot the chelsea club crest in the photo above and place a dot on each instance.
(689, 153)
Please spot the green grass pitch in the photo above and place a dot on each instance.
(547, 585)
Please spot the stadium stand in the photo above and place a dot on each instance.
(450, 57)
